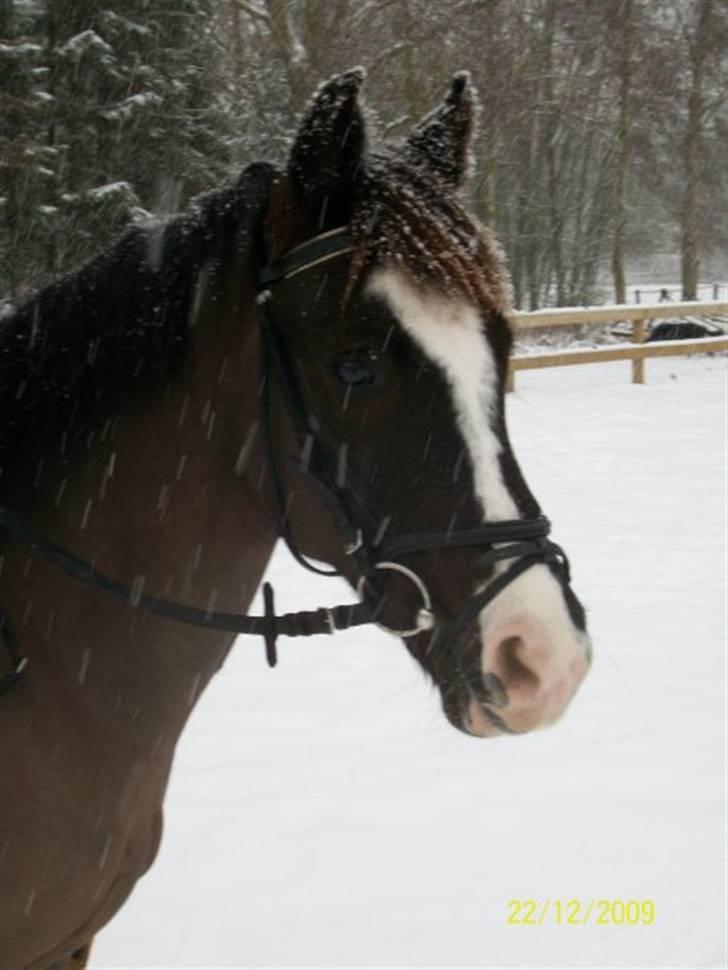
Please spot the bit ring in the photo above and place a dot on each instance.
(425, 618)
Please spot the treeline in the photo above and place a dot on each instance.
(603, 128)
(109, 111)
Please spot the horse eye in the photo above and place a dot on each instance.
(358, 368)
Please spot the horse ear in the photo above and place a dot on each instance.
(442, 140)
(327, 151)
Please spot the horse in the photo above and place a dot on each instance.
(317, 353)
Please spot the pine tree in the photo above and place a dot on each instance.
(26, 172)
(132, 122)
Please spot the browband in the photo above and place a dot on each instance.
(307, 254)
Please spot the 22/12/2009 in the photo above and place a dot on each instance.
(577, 912)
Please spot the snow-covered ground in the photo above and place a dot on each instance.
(325, 815)
(650, 292)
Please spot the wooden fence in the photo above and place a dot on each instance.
(637, 351)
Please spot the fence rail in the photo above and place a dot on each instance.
(637, 351)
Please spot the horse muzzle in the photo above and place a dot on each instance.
(517, 670)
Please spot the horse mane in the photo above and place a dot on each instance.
(120, 323)
(404, 214)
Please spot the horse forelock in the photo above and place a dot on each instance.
(406, 217)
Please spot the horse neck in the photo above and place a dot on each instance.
(154, 494)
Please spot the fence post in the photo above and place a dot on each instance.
(639, 332)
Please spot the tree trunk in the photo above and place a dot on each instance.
(624, 142)
(237, 52)
(6, 13)
(295, 57)
(550, 136)
(690, 232)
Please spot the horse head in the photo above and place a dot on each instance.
(386, 307)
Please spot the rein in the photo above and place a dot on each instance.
(522, 541)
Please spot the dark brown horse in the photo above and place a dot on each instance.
(162, 427)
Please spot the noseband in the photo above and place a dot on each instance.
(517, 543)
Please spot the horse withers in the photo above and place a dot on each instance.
(316, 353)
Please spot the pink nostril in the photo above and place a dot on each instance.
(530, 672)
(537, 671)
(517, 670)
(531, 667)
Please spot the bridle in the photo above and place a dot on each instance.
(518, 543)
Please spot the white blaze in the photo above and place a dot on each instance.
(450, 333)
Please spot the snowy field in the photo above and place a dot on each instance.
(325, 815)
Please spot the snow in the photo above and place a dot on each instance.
(80, 44)
(20, 49)
(115, 21)
(324, 814)
(614, 311)
(111, 190)
(128, 108)
(649, 292)
(665, 347)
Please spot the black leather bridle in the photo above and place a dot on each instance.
(519, 543)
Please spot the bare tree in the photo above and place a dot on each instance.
(701, 42)
(625, 17)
